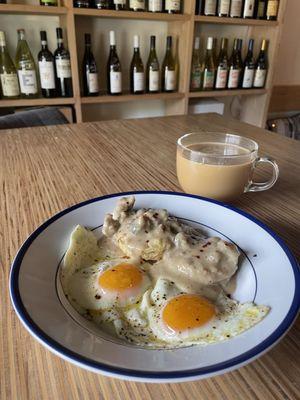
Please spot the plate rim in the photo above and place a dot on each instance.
(133, 374)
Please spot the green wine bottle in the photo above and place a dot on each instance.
(209, 66)
(152, 69)
(196, 67)
(26, 68)
(169, 81)
(137, 81)
(8, 72)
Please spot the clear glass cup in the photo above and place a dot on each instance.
(220, 165)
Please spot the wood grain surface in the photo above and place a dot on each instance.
(44, 170)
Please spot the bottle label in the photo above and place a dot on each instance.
(248, 78)
(210, 7)
(208, 79)
(138, 81)
(233, 79)
(196, 78)
(173, 5)
(115, 82)
(249, 8)
(121, 2)
(155, 5)
(260, 78)
(236, 8)
(261, 9)
(272, 8)
(46, 69)
(221, 78)
(92, 80)
(28, 82)
(224, 7)
(10, 85)
(170, 80)
(63, 68)
(153, 81)
(137, 4)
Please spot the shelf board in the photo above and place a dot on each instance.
(37, 102)
(31, 9)
(131, 97)
(227, 93)
(90, 12)
(234, 21)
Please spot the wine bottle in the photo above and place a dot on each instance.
(261, 9)
(152, 75)
(235, 65)
(209, 67)
(119, 5)
(48, 2)
(155, 5)
(82, 3)
(26, 68)
(210, 7)
(89, 70)
(261, 67)
(172, 6)
(249, 7)
(236, 8)
(46, 68)
(3, 1)
(114, 71)
(8, 72)
(249, 67)
(199, 7)
(137, 73)
(196, 67)
(272, 10)
(223, 8)
(63, 67)
(101, 4)
(168, 73)
(222, 66)
(137, 5)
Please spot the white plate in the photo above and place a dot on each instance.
(268, 275)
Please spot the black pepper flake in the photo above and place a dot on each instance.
(201, 251)
(214, 327)
(97, 296)
(197, 256)
(137, 302)
(155, 215)
(254, 255)
(147, 241)
(227, 335)
(197, 319)
(146, 232)
(113, 270)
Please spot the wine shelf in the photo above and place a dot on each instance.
(234, 21)
(227, 93)
(37, 102)
(90, 12)
(131, 97)
(31, 9)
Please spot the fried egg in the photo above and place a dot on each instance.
(106, 285)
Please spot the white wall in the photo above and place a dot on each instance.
(288, 60)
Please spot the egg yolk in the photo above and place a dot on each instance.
(121, 277)
(187, 312)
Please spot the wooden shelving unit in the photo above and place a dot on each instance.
(255, 102)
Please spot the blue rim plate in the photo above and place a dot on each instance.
(33, 292)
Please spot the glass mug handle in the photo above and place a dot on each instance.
(260, 186)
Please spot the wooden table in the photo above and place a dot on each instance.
(44, 170)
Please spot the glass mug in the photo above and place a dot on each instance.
(220, 165)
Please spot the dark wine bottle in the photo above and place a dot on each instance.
(114, 71)
(235, 65)
(261, 67)
(272, 10)
(137, 73)
(222, 66)
(89, 70)
(168, 71)
(249, 67)
(223, 8)
(152, 71)
(199, 7)
(63, 67)
(46, 68)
